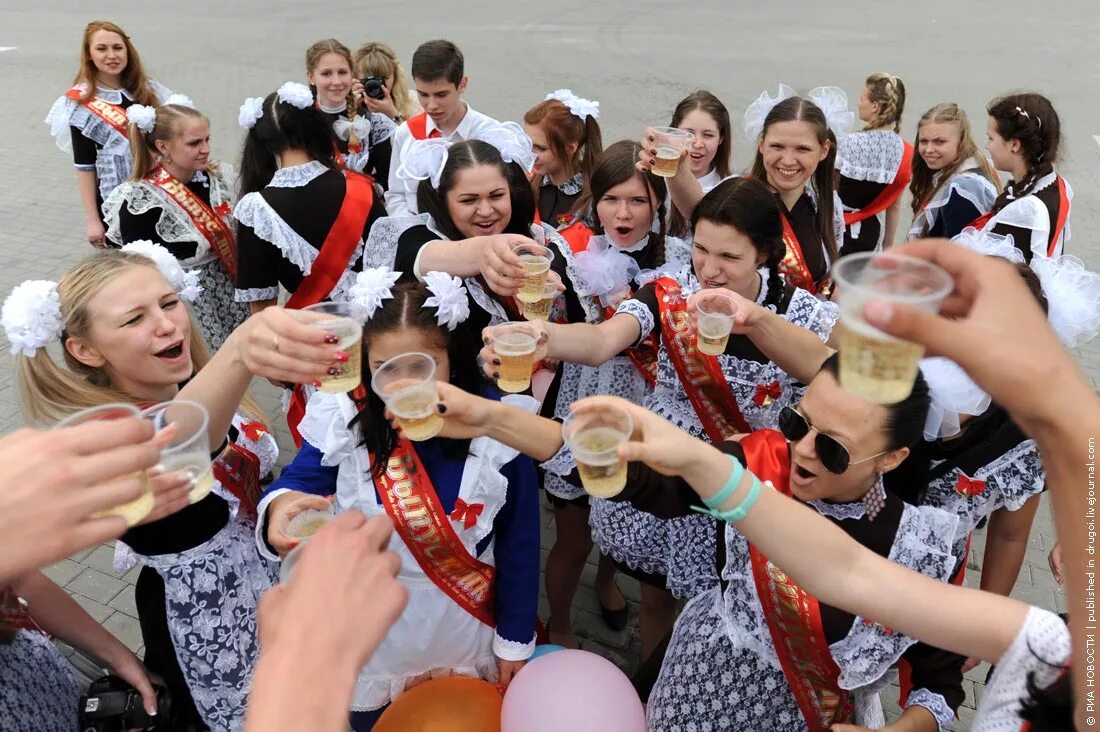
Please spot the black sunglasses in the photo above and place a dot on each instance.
(832, 454)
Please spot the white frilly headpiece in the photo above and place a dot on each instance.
(425, 159)
(579, 106)
(832, 101)
(1072, 292)
(180, 100)
(295, 94)
(144, 117)
(250, 112)
(372, 288)
(31, 315)
(602, 269)
(953, 393)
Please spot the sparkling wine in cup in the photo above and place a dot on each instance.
(515, 345)
(714, 321)
(669, 143)
(406, 383)
(536, 267)
(594, 435)
(189, 449)
(345, 321)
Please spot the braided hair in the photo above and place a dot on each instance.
(1031, 120)
(888, 92)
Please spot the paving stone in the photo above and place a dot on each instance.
(96, 585)
(126, 629)
(124, 602)
(63, 572)
(97, 610)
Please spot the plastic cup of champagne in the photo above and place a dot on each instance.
(140, 507)
(873, 365)
(669, 143)
(536, 266)
(594, 435)
(303, 525)
(540, 309)
(714, 321)
(189, 449)
(406, 383)
(345, 321)
(515, 345)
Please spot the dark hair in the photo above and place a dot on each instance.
(1030, 119)
(467, 154)
(888, 92)
(615, 167)
(748, 205)
(706, 102)
(798, 109)
(284, 127)
(904, 420)
(437, 60)
(563, 128)
(407, 311)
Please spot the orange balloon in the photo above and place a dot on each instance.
(453, 704)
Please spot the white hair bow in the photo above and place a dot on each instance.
(448, 298)
(250, 112)
(295, 94)
(513, 143)
(952, 393)
(31, 316)
(833, 102)
(753, 121)
(180, 100)
(424, 160)
(142, 116)
(186, 283)
(579, 106)
(1073, 297)
(372, 288)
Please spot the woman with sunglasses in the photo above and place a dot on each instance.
(722, 659)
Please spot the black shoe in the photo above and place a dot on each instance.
(615, 619)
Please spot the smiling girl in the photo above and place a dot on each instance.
(707, 119)
(90, 119)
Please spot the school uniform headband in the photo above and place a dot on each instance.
(374, 286)
(425, 159)
(831, 100)
(31, 315)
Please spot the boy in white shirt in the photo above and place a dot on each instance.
(440, 81)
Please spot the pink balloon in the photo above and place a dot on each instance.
(571, 691)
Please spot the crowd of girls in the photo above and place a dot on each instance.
(347, 191)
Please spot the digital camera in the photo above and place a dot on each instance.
(112, 704)
(374, 87)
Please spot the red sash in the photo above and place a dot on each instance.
(1059, 225)
(411, 502)
(418, 126)
(205, 219)
(700, 374)
(793, 267)
(238, 470)
(331, 263)
(793, 615)
(644, 355)
(885, 199)
(112, 114)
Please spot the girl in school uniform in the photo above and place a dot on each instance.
(707, 119)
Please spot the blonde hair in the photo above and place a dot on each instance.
(49, 392)
(889, 92)
(922, 186)
(378, 59)
(143, 145)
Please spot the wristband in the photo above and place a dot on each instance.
(739, 511)
(730, 486)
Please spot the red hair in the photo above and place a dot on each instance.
(132, 78)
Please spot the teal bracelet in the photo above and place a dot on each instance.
(727, 490)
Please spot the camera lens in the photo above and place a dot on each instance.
(374, 87)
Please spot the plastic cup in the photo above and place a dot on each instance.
(536, 265)
(594, 435)
(140, 507)
(345, 321)
(189, 449)
(714, 321)
(515, 345)
(669, 143)
(540, 309)
(307, 523)
(873, 365)
(406, 383)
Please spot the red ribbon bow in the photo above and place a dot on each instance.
(467, 513)
(254, 430)
(766, 394)
(222, 209)
(969, 486)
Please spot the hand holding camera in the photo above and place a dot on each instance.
(376, 95)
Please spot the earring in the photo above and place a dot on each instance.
(875, 499)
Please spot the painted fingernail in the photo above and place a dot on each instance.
(496, 362)
(342, 356)
(330, 338)
(317, 384)
(335, 371)
(442, 408)
(496, 374)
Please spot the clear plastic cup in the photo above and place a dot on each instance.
(515, 345)
(713, 322)
(140, 507)
(189, 449)
(540, 309)
(536, 266)
(873, 365)
(345, 321)
(406, 383)
(669, 143)
(594, 435)
(308, 522)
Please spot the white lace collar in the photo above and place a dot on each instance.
(1044, 182)
(710, 180)
(332, 110)
(296, 176)
(842, 511)
(114, 96)
(571, 187)
(633, 248)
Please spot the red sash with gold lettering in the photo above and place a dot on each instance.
(885, 199)
(205, 219)
(793, 615)
(701, 375)
(643, 355)
(793, 267)
(411, 502)
(112, 114)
